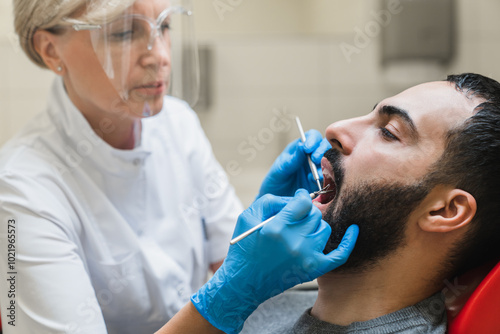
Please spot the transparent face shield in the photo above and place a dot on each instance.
(146, 51)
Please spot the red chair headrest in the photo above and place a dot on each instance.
(475, 306)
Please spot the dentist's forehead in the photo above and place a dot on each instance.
(151, 3)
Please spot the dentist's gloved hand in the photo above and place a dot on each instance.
(290, 171)
(285, 252)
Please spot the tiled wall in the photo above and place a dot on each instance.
(259, 77)
(272, 58)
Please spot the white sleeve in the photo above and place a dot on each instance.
(223, 206)
(45, 285)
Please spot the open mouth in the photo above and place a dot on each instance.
(324, 200)
(328, 196)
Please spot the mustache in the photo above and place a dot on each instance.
(334, 158)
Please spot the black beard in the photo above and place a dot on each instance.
(380, 210)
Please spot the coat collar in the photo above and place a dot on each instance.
(84, 145)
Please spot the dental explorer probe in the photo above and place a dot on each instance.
(312, 166)
(256, 227)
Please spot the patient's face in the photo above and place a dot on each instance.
(379, 209)
(378, 164)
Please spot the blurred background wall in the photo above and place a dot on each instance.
(270, 60)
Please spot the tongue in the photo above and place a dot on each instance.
(325, 198)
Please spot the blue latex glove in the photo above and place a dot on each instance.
(290, 171)
(285, 252)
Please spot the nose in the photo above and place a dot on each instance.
(344, 135)
(157, 54)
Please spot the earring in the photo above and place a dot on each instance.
(59, 68)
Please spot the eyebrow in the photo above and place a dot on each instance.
(402, 114)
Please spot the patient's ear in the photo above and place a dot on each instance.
(447, 209)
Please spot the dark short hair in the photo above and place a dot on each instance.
(471, 161)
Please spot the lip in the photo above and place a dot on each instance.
(152, 89)
(328, 174)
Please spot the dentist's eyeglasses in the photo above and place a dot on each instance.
(133, 30)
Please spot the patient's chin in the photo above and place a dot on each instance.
(381, 231)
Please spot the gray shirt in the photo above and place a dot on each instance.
(279, 315)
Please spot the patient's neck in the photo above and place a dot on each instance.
(344, 298)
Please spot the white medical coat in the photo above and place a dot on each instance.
(108, 240)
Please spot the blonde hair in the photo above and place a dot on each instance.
(33, 15)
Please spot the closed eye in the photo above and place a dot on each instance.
(388, 135)
(165, 27)
(122, 35)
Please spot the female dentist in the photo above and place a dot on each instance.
(112, 204)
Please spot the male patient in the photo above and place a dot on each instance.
(420, 175)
